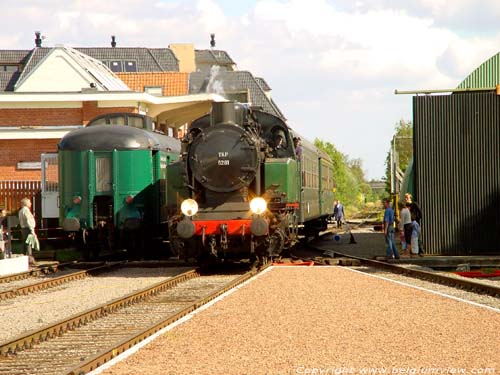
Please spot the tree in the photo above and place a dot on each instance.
(348, 175)
(402, 148)
(404, 143)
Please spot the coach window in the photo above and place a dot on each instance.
(117, 120)
(136, 122)
(103, 175)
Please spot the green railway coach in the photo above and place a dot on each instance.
(113, 185)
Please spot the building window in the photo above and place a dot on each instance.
(154, 90)
(115, 66)
(130, 66)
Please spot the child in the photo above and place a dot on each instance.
(403, 241)
(415, 233)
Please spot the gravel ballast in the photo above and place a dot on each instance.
(325, 320)
(39, 309)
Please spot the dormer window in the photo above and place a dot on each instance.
(115, 66)
(130, 66)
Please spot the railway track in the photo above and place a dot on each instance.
(33, 272)
(460, 283)
(85, 341)
(6, 293)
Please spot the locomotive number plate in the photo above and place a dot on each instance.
(223, 154)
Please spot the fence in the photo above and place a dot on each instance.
(11, 193)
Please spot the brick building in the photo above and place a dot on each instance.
(48, 91)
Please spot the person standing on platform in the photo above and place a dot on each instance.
(415, 210)
(414, 236)
(391, 249)
(338, 213)
(27, 223)
(3, 233)
(405, 217)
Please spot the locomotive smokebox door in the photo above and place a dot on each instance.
(226, 158)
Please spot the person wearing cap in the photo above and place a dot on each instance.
(279, 146)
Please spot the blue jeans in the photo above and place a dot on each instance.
(391, 248)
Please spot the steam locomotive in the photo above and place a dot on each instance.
(236, 193)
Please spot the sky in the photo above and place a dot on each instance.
(332, 65)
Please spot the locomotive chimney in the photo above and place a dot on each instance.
(223, 112)
(113, 41)
(38, 39)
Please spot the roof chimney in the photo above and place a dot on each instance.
(38, 39)
(212, 40)
(113, 41)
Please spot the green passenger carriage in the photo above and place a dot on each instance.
(113, 182)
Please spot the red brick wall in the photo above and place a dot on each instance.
(90, 110)
(16, 150)
(56, 116)
(40, 116)
(13, 151)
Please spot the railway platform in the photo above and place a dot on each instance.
(328, 320)
(15, 264)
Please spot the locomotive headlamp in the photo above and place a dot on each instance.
(258, 205)
(129, 199)
(77, 199)
(189, 207)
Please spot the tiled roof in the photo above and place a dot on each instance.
(148, 59)
(33, 59)
(221, 82)
(263, 83)
(212, 57)
(173, 83)
(14, 56)
(207, 58)
(100, 72)
(8, 80)
(102, 75)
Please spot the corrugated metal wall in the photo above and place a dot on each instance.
(457, 172)
(486, 75)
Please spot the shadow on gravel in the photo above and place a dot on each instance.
(368, 245)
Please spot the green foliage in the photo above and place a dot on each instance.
(348, 175)
(402, 143)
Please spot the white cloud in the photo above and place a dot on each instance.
(211, 15)
(333, 65)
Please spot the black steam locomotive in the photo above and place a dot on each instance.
(239, 189)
